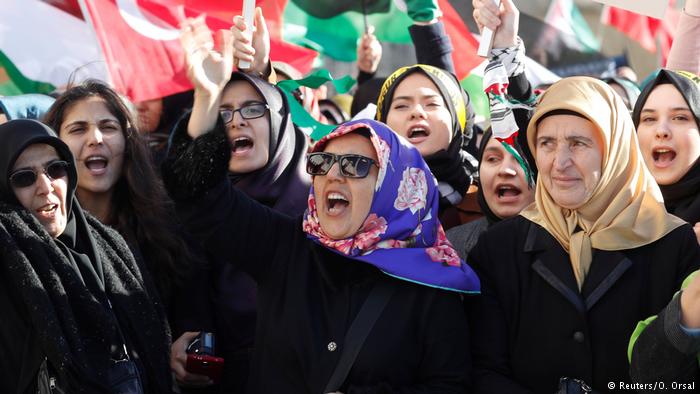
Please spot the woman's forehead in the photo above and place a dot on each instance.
(36, 155)
(351, 143)
(240, 92)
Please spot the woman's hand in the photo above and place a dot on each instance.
(502, 20)
(208, 66)
(178, 361)
(254, 48)
(369, 52)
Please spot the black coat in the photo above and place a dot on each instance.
(531, 325)
(308, 296)
(26, 342)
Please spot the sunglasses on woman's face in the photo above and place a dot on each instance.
(250, 111)
(25, 178)
(351, 166)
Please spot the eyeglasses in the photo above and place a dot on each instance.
(351, 166)
(251, 111)
(25, 178)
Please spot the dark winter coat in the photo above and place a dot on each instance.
(531, 326)
(308, 296)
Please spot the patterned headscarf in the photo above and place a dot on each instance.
(402, 235)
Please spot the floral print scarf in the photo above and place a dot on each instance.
(402, 235)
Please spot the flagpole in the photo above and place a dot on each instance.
(364, 15)
(88, 20)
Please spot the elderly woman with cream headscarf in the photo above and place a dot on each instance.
(565, 283)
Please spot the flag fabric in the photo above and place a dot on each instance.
(337, 36)
(567, 25)
(330, 8)
(38, 60)
(140, 42)
(640, 28)
(473, 84)
(644, 29)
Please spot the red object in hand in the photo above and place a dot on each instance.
(203, 364)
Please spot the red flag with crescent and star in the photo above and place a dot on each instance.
(140, 42)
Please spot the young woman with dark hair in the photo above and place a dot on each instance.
(120, 186)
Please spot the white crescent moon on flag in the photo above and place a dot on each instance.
(133, 17)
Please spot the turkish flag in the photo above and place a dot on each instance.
(140, 42)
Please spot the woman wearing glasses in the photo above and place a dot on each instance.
(371, 222)
(77, 309)
(266, 163)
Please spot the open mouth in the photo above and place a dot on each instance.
(96, 164)
(47, 210)
(507, 191)
(337, 203)
(663, 157)
(418, 133)
(241, 145)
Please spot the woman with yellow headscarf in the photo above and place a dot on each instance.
(565, 283)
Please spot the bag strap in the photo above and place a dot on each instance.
(357, 333)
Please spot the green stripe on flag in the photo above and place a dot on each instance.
(473, 84)
(337, 37)
(18, 83)
(302, 119)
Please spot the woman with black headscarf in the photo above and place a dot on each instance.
(667, 116)
(266, 162)
(78, 313)
(504, 191)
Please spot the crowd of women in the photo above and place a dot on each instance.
(397, 254)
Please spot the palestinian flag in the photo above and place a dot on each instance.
(38, 60)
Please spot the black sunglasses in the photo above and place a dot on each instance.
(351, 166)
(25, 178)
(250, 111)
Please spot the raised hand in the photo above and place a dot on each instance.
(209, 62)
(369, 52)
(254, 49)
(502, 20)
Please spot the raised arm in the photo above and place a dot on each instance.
(208, 68)
(685, 50)
(230, 225)
(369, 54)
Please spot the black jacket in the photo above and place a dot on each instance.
(26, 342)
(531, 326)
(664, 353)
(308, 296)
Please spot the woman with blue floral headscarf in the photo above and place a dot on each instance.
(371, 221)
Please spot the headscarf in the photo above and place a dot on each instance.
(454, 168)
(631, 89)
(65, 281)
(283, 182)
(683, 197)
(401, 235)
(491, 217)
(625, 209)
(25, 106)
